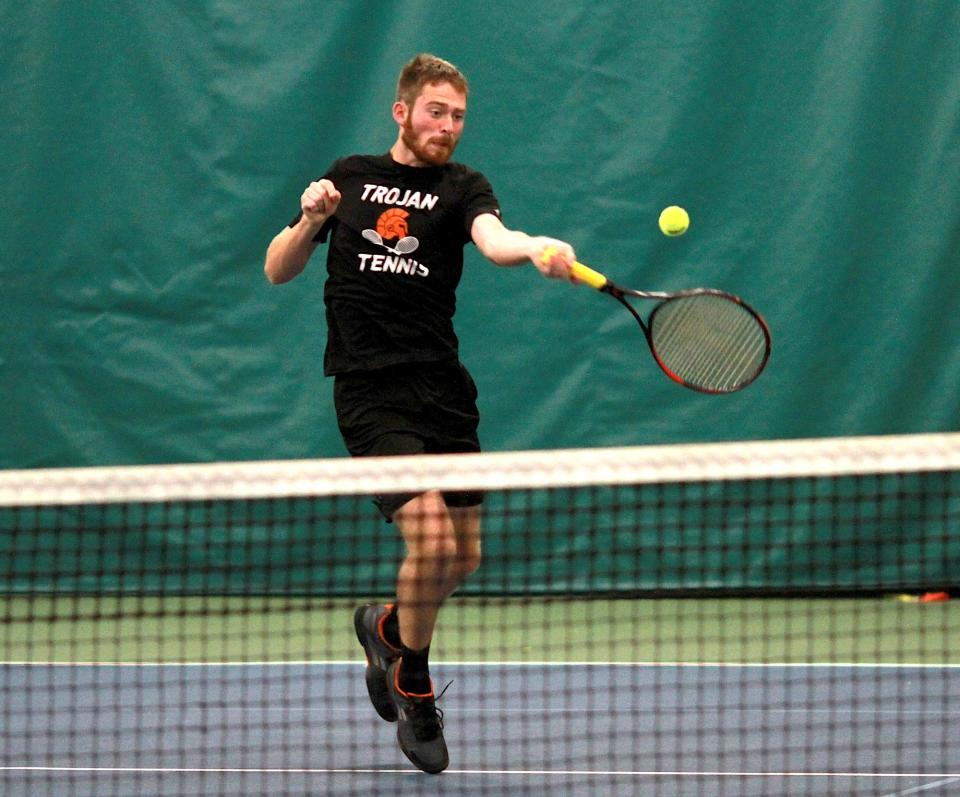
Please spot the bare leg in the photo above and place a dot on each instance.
(443, 548)
(466, 527)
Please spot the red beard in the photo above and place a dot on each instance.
(437, 151)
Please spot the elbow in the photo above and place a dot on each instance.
(278, 273)
(492, 251)
(272, 277)
(269, 263)
(274, 268)
(488, 252)
(283, 262)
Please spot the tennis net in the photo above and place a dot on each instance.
(760, 618)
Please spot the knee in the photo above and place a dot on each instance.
(435, 551)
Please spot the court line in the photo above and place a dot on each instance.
(632, 711)
(441, 663)
(918, 789)
(539, 710)
(947, 777)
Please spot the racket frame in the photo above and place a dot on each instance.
(603, 284)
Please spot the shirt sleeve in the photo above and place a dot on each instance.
(478, 199)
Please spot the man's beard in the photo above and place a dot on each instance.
(435, 157)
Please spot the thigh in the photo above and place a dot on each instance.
(452, 420)
(426, 524)
(466, 529)
(434, 403)
(406, 410)
(454, 424)
(376, 414)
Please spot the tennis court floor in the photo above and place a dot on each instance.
(590, 729)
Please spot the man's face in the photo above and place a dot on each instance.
(432, 128)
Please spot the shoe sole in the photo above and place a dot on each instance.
(430, 769)
(375, 677)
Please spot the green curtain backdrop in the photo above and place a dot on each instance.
(150, 151)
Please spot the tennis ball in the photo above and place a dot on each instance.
(674, 221)
(904, 598)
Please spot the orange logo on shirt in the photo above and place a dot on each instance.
(392, 224)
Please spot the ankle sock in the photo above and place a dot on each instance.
(391, 628)
(414, 677)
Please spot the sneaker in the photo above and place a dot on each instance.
(420, 726)
(368, 620)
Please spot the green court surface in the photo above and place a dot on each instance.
(249, 629)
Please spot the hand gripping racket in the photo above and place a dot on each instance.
(705, 339)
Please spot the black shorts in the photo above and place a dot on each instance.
(415, 408)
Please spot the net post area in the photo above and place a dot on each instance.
(754, 618)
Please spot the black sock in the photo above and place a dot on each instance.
(391, 629)
(414, 676)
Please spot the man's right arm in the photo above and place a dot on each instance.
(290, 250)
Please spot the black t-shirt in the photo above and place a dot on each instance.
(395, 260)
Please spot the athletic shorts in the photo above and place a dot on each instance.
(415, 408)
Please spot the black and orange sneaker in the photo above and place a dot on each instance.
(368, 622)
(419, 726)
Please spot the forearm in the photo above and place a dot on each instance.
(290, 251)
(508, 247)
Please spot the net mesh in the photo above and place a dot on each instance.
(729, 619)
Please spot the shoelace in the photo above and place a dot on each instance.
(427, 720)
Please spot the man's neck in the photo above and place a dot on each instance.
(402, 155)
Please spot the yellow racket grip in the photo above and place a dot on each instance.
(583, 273)
(588, 276)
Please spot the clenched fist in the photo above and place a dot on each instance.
(319, 202)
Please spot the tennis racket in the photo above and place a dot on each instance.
(705, 339)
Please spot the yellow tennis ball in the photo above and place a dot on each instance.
(674, 221)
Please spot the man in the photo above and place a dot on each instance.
(397, 225)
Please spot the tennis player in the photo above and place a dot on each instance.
(396, 225)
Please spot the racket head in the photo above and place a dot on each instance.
(708, 340)
(406, 245)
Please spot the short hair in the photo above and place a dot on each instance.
(424, 70)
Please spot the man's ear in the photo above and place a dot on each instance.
(400, 112)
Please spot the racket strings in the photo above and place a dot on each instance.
(708, 341)
(716, 349)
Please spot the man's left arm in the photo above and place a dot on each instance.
(507, 247)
